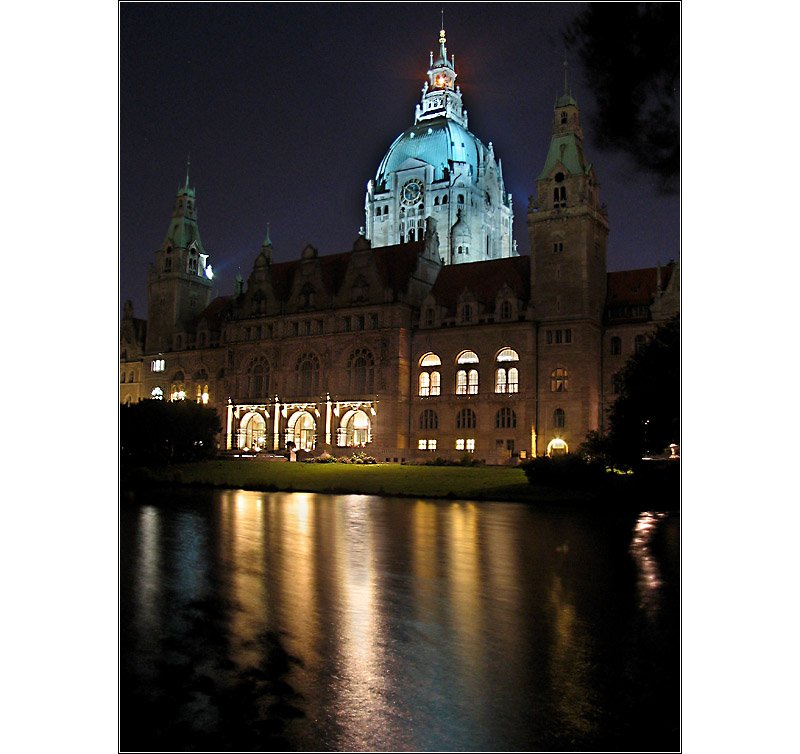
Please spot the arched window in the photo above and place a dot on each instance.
(559, 418)
(444, 199)
(505, 310)
(131, 377)
(430, 316)
(506, 375)
(361, 367)
(377, 211)
(430, 378)
(560, 196)
(436, 201)
(505, 419)
(465, 419)
(412, 235)
(122, 377)
(616, 346)
(168, 262)
(428, 419)
(307, 296)
(467, 379)
(466, 313)
(559, 380)
(307, 369)
(639, 343)
(460, 198)
(258, 378)
(563, 118)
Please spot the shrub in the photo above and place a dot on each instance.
(564, 471)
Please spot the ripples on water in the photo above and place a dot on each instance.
(302, 621)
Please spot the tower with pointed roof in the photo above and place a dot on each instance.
(568, 231)
(439, 169)
(179, 283)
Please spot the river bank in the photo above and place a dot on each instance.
(496, 483)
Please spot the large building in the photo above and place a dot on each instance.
(431, 336)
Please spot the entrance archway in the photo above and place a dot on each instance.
(355, 431)
(253, 431)
(302, 430)
(557, 447)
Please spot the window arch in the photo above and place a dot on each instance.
(467, 379)
(258, 378)
(559, 380)
(506, 375)
(307, 369)
(428, 419)
(430, 378)
(361, 367)
(616, 346)
(466, 419)
(559, 418)
(505, 419)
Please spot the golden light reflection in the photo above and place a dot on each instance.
(649, 581)
(147, 585)
(569, 660)
(242, 541)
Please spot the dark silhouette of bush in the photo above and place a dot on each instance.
(158, 432)
(564, 471)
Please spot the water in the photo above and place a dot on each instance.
(282, 621)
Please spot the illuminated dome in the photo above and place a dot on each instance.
(438, 143)
(439, 175)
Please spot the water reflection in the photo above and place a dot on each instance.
(358, 623)
(649, 582)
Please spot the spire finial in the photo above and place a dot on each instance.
(188, 162)
(566, 66)
(267, 240)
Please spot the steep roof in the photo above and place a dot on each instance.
(636, 287)
(484, 280)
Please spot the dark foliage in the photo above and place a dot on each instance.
(631, 55)
(645, 418)
(570, 471)
(154, 431)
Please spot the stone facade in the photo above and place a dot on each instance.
(392, 347)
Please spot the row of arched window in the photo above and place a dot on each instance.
(506, 375)
(360, 368)
(127, 376)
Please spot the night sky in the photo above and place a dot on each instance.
(286, 110)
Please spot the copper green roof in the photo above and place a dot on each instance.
(566, 149)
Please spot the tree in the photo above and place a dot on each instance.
(630, 53)
(154, 431)
(646, 415)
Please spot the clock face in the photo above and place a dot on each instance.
(412, 191)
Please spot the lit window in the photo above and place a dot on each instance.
(507, 379)
(461, 382)
(472, 386)
(559, 418)
(460, 444)
(470, 445)
(430, 379)
(158, 394)
(422, 445)
(559, 380)
(157, 365)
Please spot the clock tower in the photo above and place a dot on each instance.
(438, 169)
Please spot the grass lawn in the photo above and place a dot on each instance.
(463, 482)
